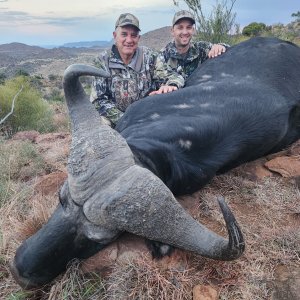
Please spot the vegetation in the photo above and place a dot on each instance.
(31, 112)
(21, 72)
(36, 81)
(288, 33)
(254, 29)
(17, 163)
(216, 26)
(56, 95)
(219, 25)
(2, 78)
(296, 16)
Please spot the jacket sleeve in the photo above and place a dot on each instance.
(101, 95)
(164, 74)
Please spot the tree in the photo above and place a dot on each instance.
(297, 16)
(217, 25)
(254, 29)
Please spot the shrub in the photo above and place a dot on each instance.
(2, 78)
(254, 29)
(282, 32)
(31, 112)
(52, 77)
(56, 95)
(36, 81)
(296, 15)
(21, 72)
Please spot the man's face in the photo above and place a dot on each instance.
(126, 40)
(182, 32)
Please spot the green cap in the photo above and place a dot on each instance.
(128, 19)
(183, 14)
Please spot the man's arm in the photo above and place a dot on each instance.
(168, 79)
(101, 95)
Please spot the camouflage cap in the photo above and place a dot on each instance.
(128, 19)
(183, 14)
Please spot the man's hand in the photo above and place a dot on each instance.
(216, 50)
(164, 89)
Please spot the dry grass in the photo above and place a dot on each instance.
(146, 279)
(267, 210)
(75, 285)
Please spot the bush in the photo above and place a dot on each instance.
(56, 95)
(254, 29)
(2, 78)
(21, 72)
(36, 81)
(282, 32)
(31, 112)
(53, 77)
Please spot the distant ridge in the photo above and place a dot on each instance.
(88, 44)
(155, 39)
(19, 47)
(53, 60)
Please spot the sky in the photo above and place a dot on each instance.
(55, 22)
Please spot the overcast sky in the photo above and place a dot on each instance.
(54, 22)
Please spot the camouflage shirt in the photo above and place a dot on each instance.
(173, 68)
(128, 83)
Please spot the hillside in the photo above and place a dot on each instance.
(157, 39)
(42, 61)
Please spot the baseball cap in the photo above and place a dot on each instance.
(183, 14)
(128, 19)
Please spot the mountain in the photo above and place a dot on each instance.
(157, 38)
(46, 60)
(87, 44)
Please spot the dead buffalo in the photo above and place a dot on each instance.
(234, 109)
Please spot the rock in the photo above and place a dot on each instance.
(204, 292)
(286, 283)
(286, 166)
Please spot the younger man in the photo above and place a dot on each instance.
(180, 58)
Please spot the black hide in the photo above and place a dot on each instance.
(234, 108)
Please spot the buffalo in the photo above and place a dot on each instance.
(235, 108)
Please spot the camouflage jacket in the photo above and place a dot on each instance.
(128, 83)
(173, 68)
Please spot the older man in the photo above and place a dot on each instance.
(181, 57)
(131, 68)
